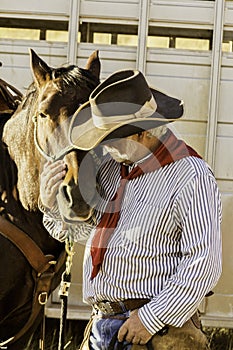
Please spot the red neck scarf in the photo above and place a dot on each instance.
(170, 150)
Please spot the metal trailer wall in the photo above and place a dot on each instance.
(203, 79)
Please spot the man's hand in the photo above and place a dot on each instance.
(133, 330)
(50, 180)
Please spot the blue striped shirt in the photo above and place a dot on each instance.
(166, 246)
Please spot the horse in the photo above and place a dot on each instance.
(10, 97)
(49, 101)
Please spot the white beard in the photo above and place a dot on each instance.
(130, 147)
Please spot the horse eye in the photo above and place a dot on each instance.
(42, 115)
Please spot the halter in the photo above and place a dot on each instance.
(47, 156)
(61, 154)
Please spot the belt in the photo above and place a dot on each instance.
(119, 307)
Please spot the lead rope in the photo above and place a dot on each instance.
(64, 292)
(42, 337)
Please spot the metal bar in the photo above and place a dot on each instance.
(73, 31)
(215, 82)
(143, 18)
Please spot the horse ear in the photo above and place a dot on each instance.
(93, 64)
(39, 68)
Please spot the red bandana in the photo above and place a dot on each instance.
(170, 150)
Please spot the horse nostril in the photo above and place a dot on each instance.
(64, 190)
(67, 195)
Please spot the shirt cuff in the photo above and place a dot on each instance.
(149, 320)
(45, 210)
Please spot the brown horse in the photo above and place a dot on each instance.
(10, 98)
(51, 100)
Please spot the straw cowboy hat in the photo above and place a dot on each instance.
(121, 106)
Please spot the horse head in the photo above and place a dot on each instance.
(60, 92)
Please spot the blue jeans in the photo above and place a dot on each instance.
(104, 330)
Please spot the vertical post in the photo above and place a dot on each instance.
(73, 31)
(143, 18)
(215, 82)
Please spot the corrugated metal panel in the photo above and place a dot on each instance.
(193, 13)
(35, 9)
(14, 55)
(110, 10)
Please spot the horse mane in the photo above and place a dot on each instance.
(18, 132)
(73, 76)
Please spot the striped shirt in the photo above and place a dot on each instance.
(166, 246)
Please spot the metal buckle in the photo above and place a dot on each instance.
(105, 307)
(64, 288)
(43, 298)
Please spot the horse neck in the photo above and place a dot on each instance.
(19, 138)
(19, 183)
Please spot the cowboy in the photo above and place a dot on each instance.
(153, 248)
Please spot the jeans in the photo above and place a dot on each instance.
(103, 336)
(104, 330)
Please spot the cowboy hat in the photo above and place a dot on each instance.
(121, 106)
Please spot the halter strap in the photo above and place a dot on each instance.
(45, 155)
